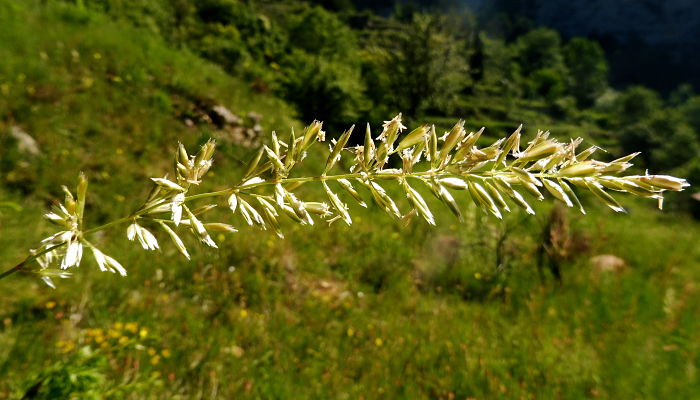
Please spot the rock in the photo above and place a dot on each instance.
(222, 116)
(25, 143)
(605, 263)
(255, 116)
(696, 196)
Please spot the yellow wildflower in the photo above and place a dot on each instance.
(132, 327)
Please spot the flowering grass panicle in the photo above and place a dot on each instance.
(495, 177)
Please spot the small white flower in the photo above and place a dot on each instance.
(148, 241)
(176, 207)
(168, 184)
(48, 282)
(145, 238)
(74, 254)
(209, 241)
(53, 217)
(391, 124)
(253, 181)
(115, 266)
(62, 236)
(99, 258)
(233, 202)
(131, 231)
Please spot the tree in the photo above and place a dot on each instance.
(541, 63)
(691, 112)
(423, 64)
(636, 104)
(538, 49)
(588, 70)
(321, 72)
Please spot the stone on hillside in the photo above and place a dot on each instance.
(605, 263)
(255, 116)
(25, 143)
(222, 116)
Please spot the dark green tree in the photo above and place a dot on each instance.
(636, 104)
(588, 70)
(423, 64)
(691, 112)
(541, 63)
(321, 72)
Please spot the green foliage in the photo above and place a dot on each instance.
(637, 103)
(423, 63)
(538, 49)
(328, 312)
(81, 375)
(588, 70)
(99, 82)
(691, 112)
(500, 69)
(322, 73)
(322, 33)
(547, 83)
(646, 123)
(323, 87)
(541, 63)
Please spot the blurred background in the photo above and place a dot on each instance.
(558, 305)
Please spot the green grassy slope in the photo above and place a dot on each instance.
(372, 311)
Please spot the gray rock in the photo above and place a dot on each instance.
(255, 116)
(25, 143)
(604, 263)
(223, 116)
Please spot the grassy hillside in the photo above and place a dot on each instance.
(372, 311)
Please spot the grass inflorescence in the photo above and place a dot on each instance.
(490, 175)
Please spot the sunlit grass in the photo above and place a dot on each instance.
(373, 311)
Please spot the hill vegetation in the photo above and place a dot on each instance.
(476, 309)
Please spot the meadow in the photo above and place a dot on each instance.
(464, 310)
